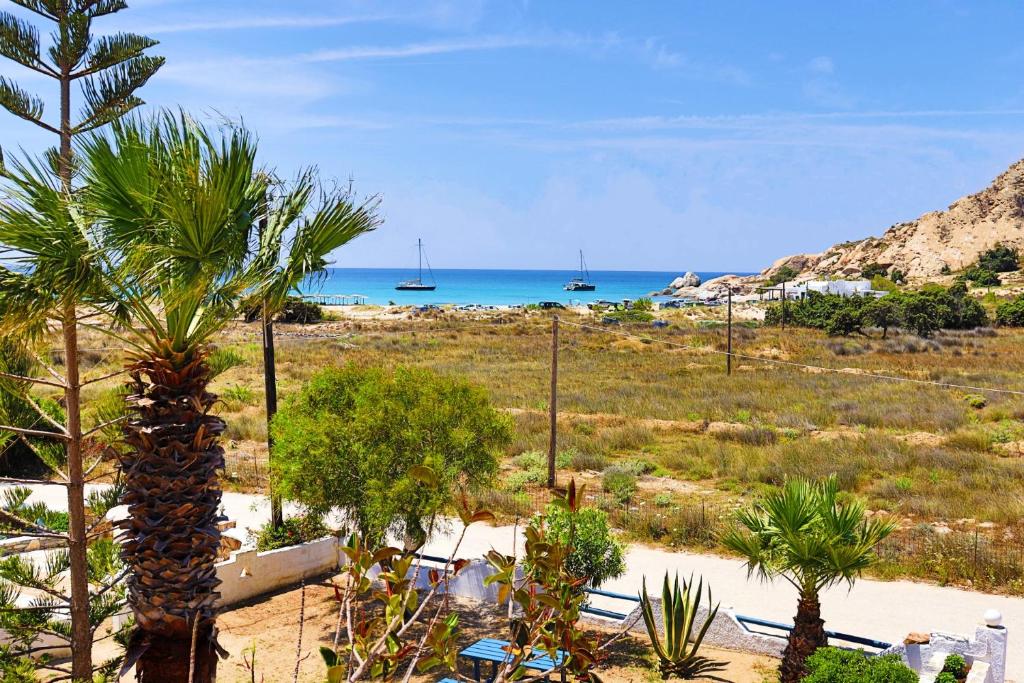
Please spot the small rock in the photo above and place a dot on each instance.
(917, 639)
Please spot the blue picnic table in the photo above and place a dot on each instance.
(493, 650)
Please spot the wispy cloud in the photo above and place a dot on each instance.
(421, 49)
(247, 23)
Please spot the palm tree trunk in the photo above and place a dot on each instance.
(173, 495)
(808, 635)
(81, 630)
(270, 388)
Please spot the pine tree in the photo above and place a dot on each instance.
(108, 71)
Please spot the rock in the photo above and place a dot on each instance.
(917, 639)
(687, 280)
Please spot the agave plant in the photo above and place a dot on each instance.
(677, 649)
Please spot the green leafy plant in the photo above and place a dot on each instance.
(677, 649)
(805, 535)
(293, 531)
(956, 665)
(620, 483)
(999, 259)
(945, 677)
(783, 274)
(835, 665)
(596, 554)
(349, 438)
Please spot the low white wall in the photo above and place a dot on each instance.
(986, 652)
(248, 574)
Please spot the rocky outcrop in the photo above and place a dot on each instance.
(687, 280)
(934, 243)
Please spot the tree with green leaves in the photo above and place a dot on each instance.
(57, 273)
(348, 439)
(803, 534)
(319, 222)
(175, 206)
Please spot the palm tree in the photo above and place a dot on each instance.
(175, 207)
(316, 231)
(109, 70)
(804, 535)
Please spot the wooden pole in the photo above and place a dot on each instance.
(783, 305)
(553, 406)
(728, 343)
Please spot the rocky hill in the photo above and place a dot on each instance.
(927, 246)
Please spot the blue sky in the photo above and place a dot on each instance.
(653, 135)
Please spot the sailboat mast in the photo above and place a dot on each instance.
(419, 248)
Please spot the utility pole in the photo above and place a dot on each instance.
(728, 343)
(553, 405)
(783, 305)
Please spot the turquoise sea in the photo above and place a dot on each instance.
(489, 287)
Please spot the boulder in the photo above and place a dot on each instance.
(687, 280)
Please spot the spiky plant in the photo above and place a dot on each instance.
(175, 205)
(803, 534)
(677, 648)
(320, 222)
(109, 70)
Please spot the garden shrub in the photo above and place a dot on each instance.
(293, 531)
(350, 437)
(945, 677)
(835, 665)
(955, 665)
(619, 482)
(596, 553)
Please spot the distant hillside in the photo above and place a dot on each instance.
(923, 247)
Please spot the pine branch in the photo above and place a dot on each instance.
(22, 104)
(71, 42)
(108, 94)
(19, 41)
(45, 8)
(99, 8)
(110, 51)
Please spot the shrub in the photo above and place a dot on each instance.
(587, 461)
(999, 259)
(834, 665)
(638, 466)
(1011, 313)
(631, 315)
(955, 665)
(222, 359)
(945, 677)
(350, 437)
(783, 274)
(296, 310)
(619, 482)
(982, 277)
(596, 554)
(293, 531)
(873, 270)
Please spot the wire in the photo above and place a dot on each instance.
(820, 368)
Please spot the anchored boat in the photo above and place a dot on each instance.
(417, 284)
(581, 283)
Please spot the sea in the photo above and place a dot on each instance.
(489, 287)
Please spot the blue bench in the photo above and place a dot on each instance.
(493, 650)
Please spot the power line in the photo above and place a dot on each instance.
(819, 368)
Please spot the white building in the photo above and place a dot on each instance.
(798, 290)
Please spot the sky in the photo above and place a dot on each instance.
(653, 135)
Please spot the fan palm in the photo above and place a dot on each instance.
(318, 227)
(802, 534)
(174, 205)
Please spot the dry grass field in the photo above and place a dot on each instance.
(948, 462)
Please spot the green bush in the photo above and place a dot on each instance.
(1011, 313)
(620, 482)
(349, 438)
(982, 277)
(638, 466)
(833, 665)
(294, 531)
(955, 665)
(945, 677)
(596, 553)
(999, 259)
(783, 274)
(297, 310)
(631, 315)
